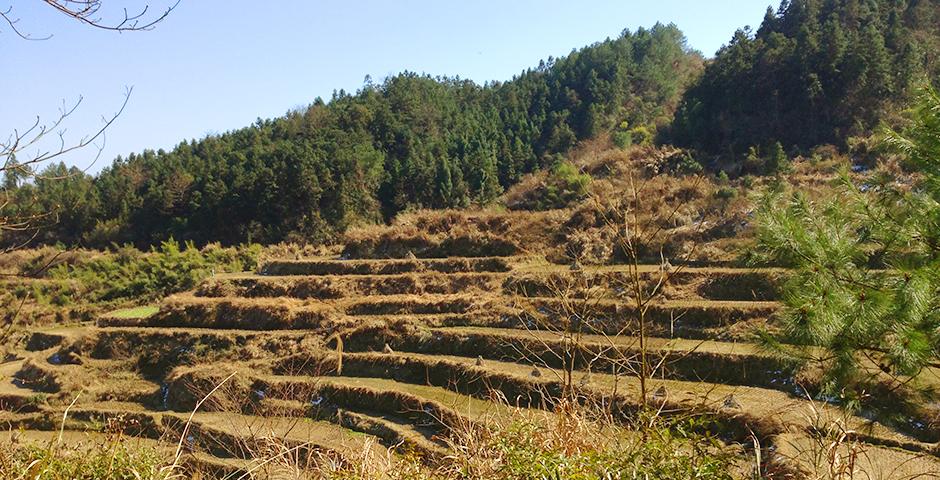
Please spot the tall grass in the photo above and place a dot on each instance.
(111, 459)
(572, 442)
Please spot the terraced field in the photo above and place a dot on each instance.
(337, 357)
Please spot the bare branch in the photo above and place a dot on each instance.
(87, 12)
(11, 21)
(31, 137)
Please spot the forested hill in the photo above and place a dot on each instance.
(411, 141)
(815, 72)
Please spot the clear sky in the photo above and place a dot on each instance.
(217, 65)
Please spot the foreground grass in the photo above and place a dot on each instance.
(581, 445)
(114, 459)
(571, 443)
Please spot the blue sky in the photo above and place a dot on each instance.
(216, 65)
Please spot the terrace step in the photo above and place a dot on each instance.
(327, 287)
(188, 311)
(538, 265)
(767, 411)
(673, 318)
(15, 395)
(386, 267)
(231, 435)
(428, 406)
(396, 432)
(170, 346)
(682, 359)
(265, 314)
(400, 244)
(706, 283)
(411, 305)
(609, 315)
(806, 451)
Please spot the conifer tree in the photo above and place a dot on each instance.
(777, 161)
(864, 297)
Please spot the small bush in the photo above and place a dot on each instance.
(642, 136)
(622, 140)
(774, 162)
(625, 137)
(622, 137)
(561, 186)
(777, 161)
(682, 163)
(726, 193)
(723, 178)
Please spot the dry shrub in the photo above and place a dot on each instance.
(387, 267)
(278, 459)
(677, 214)
(397, 244)
(35, 262)
(616, 164)
(445, 222)
(255, 287)
(457, 233)
(557, 187)
(112, 457)
(413, 304)
(520, 194)
(335, 287)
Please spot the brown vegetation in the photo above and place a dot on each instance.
(447, 330)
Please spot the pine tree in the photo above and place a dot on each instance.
(445, 184)
(778, 161)
(865, 287)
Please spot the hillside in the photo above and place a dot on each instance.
(816, 76)
(412, 141)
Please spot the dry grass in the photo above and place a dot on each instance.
(709, 283)
(35, 261)
(329, 287)
(321, 267)
(344, 369)
(186, 310)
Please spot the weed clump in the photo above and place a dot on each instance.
(113, 459)
(573, 445)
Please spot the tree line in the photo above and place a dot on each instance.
(815, 72)
(411, 141)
